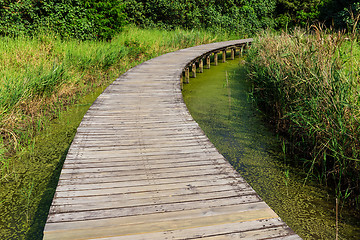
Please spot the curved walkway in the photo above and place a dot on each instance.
(141, 168)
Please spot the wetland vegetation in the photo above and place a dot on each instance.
(55, 57)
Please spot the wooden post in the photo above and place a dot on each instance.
(233, 52)
(208, 61)
(201, 66)
(241, 51)
(215, 58)
(186, 75)
(193, 70)
(181, 81)
(224, 55)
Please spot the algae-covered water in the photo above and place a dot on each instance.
(219, 101)
(26, 194)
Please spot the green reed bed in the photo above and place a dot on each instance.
(308, 84)
(42, 77)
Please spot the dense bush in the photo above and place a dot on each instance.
(303, 13)
(245, 16)
(297, 12)
(82, 19)
(107, 17)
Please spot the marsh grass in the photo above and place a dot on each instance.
(309, 85)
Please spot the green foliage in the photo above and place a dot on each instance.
(107, 17)
(350, 17)
(337, 13)
(79, 19)
(298, 12)
(245, 16)
(334, 12)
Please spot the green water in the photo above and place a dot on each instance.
(26, 194)
(218, 100)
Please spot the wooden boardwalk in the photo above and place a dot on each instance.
(141, 168)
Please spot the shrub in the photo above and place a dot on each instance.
(81, 19)
(245, 16)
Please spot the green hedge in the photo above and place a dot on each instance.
(82, 19)
(245, 16)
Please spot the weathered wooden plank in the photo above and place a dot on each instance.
(150, 195)
(164, 216)
(148, 209)
(74, 179)
(132, 166)
(113, 153)
(233, 219)
(114, 189)
(150, 200)
(220, 169)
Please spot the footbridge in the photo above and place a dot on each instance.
(140, 167)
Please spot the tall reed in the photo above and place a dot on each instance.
(308, 83)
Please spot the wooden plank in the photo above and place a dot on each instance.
(164, 216)
(151, 227)
(150, 195)
(164, 176)
(192, 186)
(148, 209)
(112, 203)
(219, 169)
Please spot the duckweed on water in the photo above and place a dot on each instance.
(223, 110)
(27, 194)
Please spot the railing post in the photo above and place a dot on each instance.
(208, 62)
(186, 75)
(201, 65)
(193, 70)
(181, 81)
(224, 55)
(215, 58)
(233, 52)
